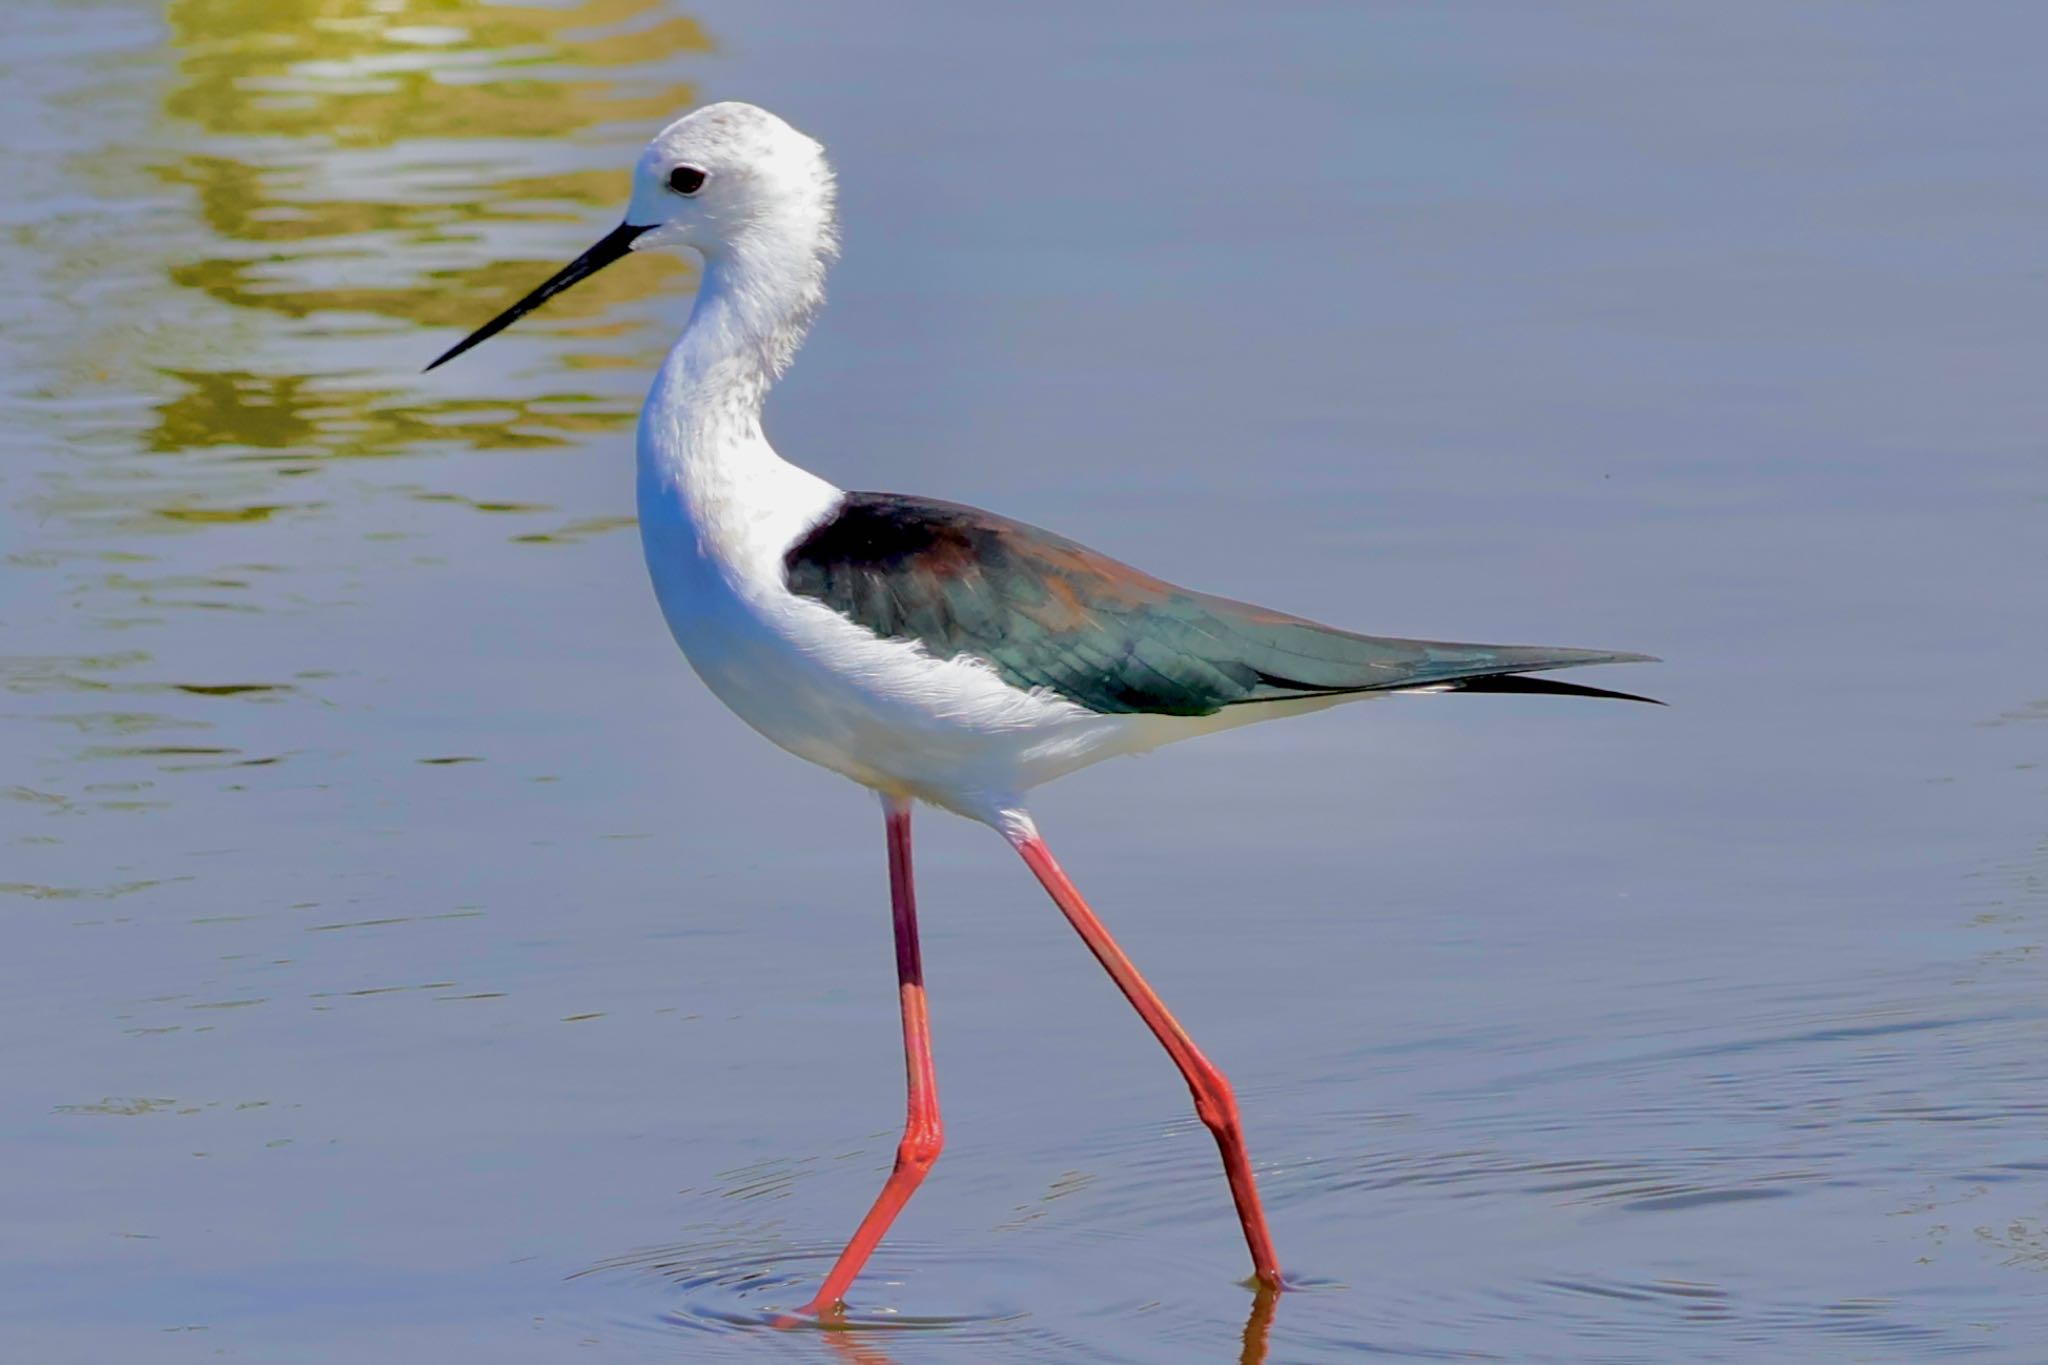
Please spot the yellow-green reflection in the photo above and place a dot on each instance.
(373, 72)
(445, 298)
(311, 219)
(243, 202)
(293, 415)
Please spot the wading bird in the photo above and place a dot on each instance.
(930, 651)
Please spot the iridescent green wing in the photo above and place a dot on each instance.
(1045, 612)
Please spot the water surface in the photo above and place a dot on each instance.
(407, 960)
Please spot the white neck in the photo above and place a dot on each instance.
(758, 297)
(703, 457)
(757, 301)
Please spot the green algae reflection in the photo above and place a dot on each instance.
(371, 73)
(368, 169)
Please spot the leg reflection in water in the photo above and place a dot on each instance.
(860, 1345)
(1258, 1328)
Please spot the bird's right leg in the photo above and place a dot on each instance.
(1215, 1104)
(923, 1134)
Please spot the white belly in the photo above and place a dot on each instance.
(883, 712)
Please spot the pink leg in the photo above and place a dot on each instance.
(923, 1134)
(1214, 1103)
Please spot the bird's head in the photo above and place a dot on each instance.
(729, 181)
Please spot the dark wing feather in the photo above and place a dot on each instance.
(1047, 612)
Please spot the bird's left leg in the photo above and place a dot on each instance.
(923, 1134)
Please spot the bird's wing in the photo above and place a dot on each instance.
(1045, 612)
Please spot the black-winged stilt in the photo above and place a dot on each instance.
(930, 651)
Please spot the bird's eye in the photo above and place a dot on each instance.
(686, 180)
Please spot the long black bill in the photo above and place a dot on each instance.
(615, 244)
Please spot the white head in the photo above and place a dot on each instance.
(733, 177)
(736, 184)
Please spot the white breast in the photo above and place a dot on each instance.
(885, 713)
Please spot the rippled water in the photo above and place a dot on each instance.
(407, 960)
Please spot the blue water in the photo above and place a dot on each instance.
(407, 960)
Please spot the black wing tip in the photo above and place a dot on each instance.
(1526, 685)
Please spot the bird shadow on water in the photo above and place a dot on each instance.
(735, 1283)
